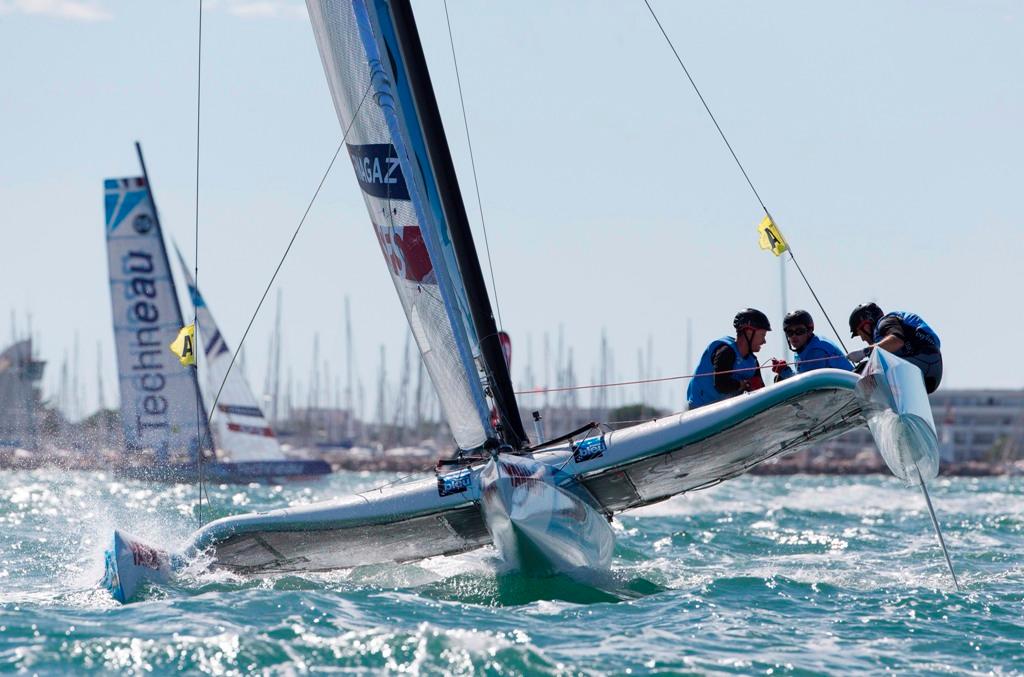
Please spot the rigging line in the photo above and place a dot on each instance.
(738, 163)
(195, 310)
(539, 391)
(816, 300)
(472, 163)
(706, 107)
(270, 283)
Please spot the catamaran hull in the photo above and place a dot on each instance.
(129, 563)
(606, 472)
(538, 527)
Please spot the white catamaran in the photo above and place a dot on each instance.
(546, 508)
(162, 403)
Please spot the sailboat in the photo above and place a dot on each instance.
(162, 406)
(544, 505)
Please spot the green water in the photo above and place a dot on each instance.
(759, 575)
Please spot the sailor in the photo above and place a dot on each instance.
(903, 334)
(810, 350)
(728, 366)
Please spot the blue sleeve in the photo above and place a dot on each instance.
(838, 359)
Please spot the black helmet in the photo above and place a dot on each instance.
(865, 311)
(751, 317)
(798, 318)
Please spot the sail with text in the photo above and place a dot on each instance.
(242, 431)
(159, 397)
(382, 93)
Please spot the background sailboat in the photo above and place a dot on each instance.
(162, 406)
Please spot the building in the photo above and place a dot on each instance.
(20, 398)
(973, 425)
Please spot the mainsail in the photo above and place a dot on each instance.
(377, 77)
(158, 397)
(242, 431)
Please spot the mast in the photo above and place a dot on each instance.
(202, 425)
(276, 392)
(782, 288)
(382, 381)
(349, 404)
(425, 103)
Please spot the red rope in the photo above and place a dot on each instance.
(538, 391)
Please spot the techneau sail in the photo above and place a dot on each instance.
(161, 403)
(545, 508)
(158, 397)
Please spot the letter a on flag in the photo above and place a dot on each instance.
(771, 237)
(184, 345)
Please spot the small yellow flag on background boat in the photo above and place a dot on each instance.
(771, 237)
(184, 345)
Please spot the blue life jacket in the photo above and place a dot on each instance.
(817, 353)
(813, 355)
(917, 332)
(702, 389)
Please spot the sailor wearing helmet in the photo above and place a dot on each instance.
(729, 366)
(810, 351)
(901, 333)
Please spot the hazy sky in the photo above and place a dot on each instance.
(885, 137)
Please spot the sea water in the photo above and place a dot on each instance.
(760, 575)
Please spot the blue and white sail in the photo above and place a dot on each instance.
(400, 157)
(159, 398)
(241, 430)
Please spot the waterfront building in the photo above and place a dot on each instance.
(973, 425)
(20, 399)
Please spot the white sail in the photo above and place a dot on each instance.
(241, 430)
(159, 397)
(405, 212)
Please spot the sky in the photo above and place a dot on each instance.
(884, 137)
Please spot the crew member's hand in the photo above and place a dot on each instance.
(778, 366)
(857, 355)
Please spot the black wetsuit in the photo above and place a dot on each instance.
(918, 349)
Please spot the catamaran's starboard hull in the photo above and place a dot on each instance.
(622, 469)
(539, 526)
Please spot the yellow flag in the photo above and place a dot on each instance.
(184, 345)
(771, 237)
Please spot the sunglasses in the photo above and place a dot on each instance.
(796, 331)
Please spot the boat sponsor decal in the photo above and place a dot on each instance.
(521, 474)
(406, 253)
(241, 410)
(454, 482)
(378, 170)
(145, 556)
(588, 449)
(250, 429)
(122, 196)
